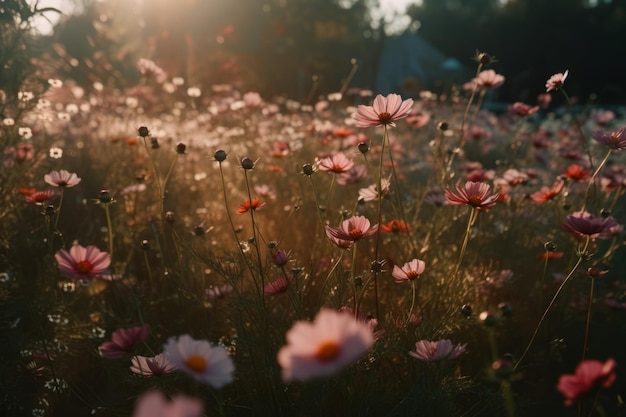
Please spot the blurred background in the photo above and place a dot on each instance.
(278, 47)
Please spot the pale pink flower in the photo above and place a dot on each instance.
(489, 79)
(409, 271)
(154, 404)
(123, 341)
(155, 366)
(321, 348)
(442, 350)
(556, 81)
(61, 178)
(352, 229)
(384, 111)
(200, 359)
(219, 292)
(278, 286)
(475, 194)
(83, 262)
(338, 163)
(589, 376)
(371, 193)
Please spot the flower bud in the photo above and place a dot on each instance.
(488, 318)
(199, 230)
(49, 210)
(247, 163)
(466, 310)
(181, 148)
(220, 155)
(307, 169)
(154, 143)
(169, 217)
(105, 197)
(280, 258)
(363, 147)
(443, 126)
(506, 309)
(143, 132)
(550, 246)
(145, 244)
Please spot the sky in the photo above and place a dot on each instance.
(392, 10)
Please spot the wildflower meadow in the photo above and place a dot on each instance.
(176, 250)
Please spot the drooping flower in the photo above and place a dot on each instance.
(83, 262)
(338, 163)
(475, 194)
(154, 366)
(278, 286)
(582, 223)
(247, 205)
(352, 229)
(409, 271)
(154, 404)
(614, 140)
(556, 81)
(384, 111)
(488, 79)
(123, 341)
(61, 178)
(323, 347)
(590, 375)
(40, 197)
(200, 359)
(441, 350)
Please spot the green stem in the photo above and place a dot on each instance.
(581, 255)
(472, 218)
(588, 319)
(56, 221)
(592, 180)
(107, 211)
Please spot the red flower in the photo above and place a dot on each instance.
(590, 375)
(546, 194)
(395, 226)
(40, 197)
(247, 206)
(577, 172)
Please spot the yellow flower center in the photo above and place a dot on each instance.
(196, 363)
(327, 351)
(84, 267)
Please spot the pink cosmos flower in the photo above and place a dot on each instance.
(409, 271)
(219, 292)
(442, 350)
(384, 111)
(61, 178)
(352, 229)
(371, 193)
(589, 376)
(582, 223)
(83, 263)
(475, 194)
(200, 359)
(488, 79)
(123, 341)
(321, 348)
(154, 404)
(338, 163)
(614, 140)
(522, 109)
(556, 81)
(155, 366)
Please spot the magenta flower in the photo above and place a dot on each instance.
(61, 178)
(123, 341)
(556, 81)
(83, 263)
(321, 348)
(409, 271)
(155, 366)
(475, 194)
(278, 286)
(442, 350)
(488, 79)
(582, 223)
(589, 376)
(614, 140)
(338, 163)
(352, 229)
(384, 111)
(155, 404)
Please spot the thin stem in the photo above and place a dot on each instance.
(352, 277)
(107, 211)
(412, 301)
(588, 318)
(167, 177)
(156, 177)
(56, 221)
(472, 218)
(254, 235)
(580, 128)
(592, 180)
(145, 257)
(346, 83)
(581, 255)
(379, 217)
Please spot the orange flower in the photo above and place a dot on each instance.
(395, 226)
(247, 206)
